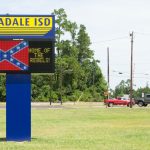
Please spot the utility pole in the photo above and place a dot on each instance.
(60, 84)
(131, 79)
(108, 71)
(93, 63)
(50, 85)
(61, 76)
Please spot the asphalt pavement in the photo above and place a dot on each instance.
(69, 105)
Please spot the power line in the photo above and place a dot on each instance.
(120, 38)
(144, 63)
(125, 64)
(122, 72)
(135, 77)
(109, 40)
(144, 34)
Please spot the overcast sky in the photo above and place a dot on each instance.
(108, 23)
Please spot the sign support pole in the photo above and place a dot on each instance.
(18, 107)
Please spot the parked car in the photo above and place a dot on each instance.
(118, 101)
(143, 101)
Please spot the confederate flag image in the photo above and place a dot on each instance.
(14, 55)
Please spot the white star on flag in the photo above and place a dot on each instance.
(18, 47)
(11, 59)
(4, 55)
(18, 63)
(11, 51)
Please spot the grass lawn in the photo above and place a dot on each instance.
(85, 129)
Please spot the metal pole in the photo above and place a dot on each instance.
(50, 84)
(61, 85)
(108, 70)
(93, 72)
(131, 79)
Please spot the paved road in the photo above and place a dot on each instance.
(41, 107)
(69, 105)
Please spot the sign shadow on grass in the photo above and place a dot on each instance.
(4, 139)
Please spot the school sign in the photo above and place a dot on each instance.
(27, 26)
(38, 33)
(26, 46)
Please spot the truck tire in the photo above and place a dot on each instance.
(128, 105)
(141, 104)
(110, 104)
(145, 105)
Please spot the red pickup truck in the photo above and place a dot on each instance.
(118, 101)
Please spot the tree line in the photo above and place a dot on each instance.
(77, 76)
(123, 88)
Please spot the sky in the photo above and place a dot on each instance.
(108, 24)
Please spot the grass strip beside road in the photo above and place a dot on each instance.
(85, 129)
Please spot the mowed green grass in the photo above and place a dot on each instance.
(85, 129)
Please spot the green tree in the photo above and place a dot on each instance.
(83, 44)
(139, 91)
(72, 27)
(77, 76)
(61, 23)
(122, 88)
(2, 88)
